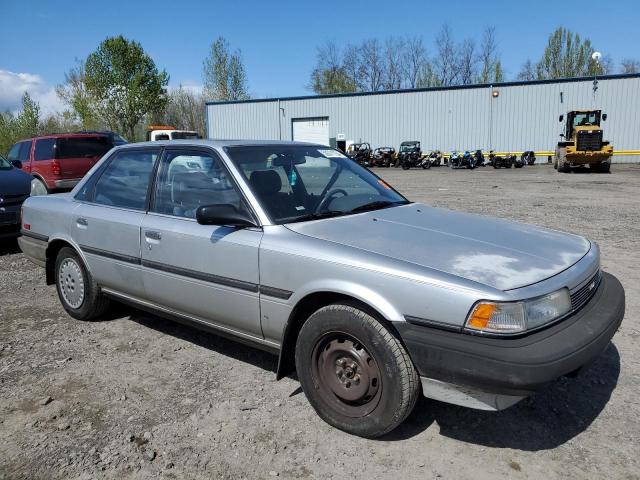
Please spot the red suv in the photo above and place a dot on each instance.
(58, 162)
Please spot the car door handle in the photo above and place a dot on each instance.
(82, 222)
(151, 235)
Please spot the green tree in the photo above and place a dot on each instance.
(223, 73)
(23, 125)
(125, 84)
(567, 55)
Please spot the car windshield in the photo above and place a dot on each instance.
(408, 148)
(4, 163)
(297, 183)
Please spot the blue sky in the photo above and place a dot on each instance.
(39, 40)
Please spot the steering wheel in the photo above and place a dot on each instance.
(328, 198)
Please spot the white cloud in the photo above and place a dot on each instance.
(14, 85)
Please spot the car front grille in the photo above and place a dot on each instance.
(582, 295)
(589, 140)
(8, 218)
(8, 200)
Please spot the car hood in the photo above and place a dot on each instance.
(14, 182)
(495, 252)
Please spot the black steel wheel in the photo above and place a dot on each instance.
(354, 371)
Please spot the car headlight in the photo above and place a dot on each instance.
(516, 317)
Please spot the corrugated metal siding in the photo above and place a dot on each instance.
(522, 117)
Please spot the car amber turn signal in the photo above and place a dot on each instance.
(481, 315)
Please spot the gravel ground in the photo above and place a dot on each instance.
(136, 396)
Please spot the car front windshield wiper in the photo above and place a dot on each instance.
(318, 216)
(377, 205)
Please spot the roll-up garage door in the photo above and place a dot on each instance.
(312, 130)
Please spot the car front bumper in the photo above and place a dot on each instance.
(507, 369)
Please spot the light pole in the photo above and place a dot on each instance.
(595, 56)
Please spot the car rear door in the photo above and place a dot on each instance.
(77, 154)
(106, 224)
(208, 272)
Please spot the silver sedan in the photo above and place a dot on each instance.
(297, 249)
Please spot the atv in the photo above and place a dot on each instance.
(360, 152)
(410, 155)
(383, 157)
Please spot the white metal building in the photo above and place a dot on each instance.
(512, 116)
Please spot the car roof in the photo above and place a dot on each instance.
(219, 143)
(67, 135)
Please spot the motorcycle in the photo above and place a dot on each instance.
(517, 162)
(479, 157)
(529, 157)
(464, 160)
(435, 158)
(500, 162)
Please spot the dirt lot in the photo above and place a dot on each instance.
(135, 396)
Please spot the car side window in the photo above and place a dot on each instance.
(125, 181)
(190, 179)
(25, 151)
(44, 149)
(13, 153)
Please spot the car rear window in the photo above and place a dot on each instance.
(78, 147)
(44, 149)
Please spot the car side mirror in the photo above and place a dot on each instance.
(561, 118)
(604, 117)
(224, 214)
(16, 163)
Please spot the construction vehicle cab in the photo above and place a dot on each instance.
(582, 144)
(167, 132)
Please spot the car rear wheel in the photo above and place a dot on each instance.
(78, 292)
(355, 372)
(38, 187)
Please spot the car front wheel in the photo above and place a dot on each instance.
(355, 372)
(78, 292)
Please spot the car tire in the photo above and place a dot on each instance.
(38, 187)
(79, 293)
(341, 346)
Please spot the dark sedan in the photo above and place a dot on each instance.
(15, 186)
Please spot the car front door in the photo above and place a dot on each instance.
(207, 272)
(106, 224)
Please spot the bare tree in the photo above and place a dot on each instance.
(488, 55)
(74, 93)
(630, 65)
(184, 110)
(329, 75)
(415, 59)
(393, 63)
(467, 61)
(527, 72)
(445, 65)
(371, 66)
(351, 65)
